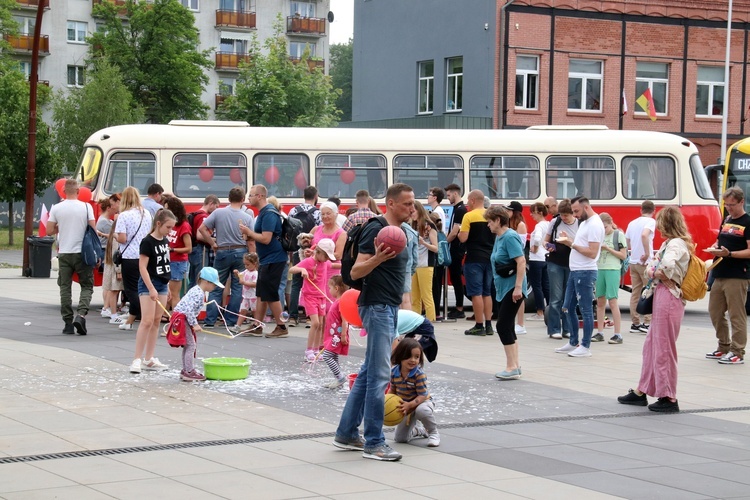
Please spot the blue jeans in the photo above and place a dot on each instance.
(558, 279)
(198, 258)
(539, 282)
(580, 292)
(226, 261)
(367, 397)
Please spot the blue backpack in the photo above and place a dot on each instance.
(91, 248)
(444, 250)
(625, 263)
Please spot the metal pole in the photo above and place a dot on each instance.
(725, 111)
(31, 153)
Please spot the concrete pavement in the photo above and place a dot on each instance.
(75, 423)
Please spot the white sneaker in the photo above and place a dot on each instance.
(336, 383)
(154, 364)
(433, 440)
(580, 352)
(535, 317)
(135, 366)
(557, 335)
(520, 330)
(106, 313)
(117, 320)
(566, 348)
(125, 326)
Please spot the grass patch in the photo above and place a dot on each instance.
(17, 239)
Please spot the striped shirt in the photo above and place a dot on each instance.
(413, 385)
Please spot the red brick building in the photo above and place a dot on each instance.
(571, 62)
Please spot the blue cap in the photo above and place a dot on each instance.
(211, 275)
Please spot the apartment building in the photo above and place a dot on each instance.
(226, 28)
(517, 63)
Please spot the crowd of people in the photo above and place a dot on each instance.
(572, 263)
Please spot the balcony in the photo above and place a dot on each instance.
(31, 4)
(219, 100)
(312, 26)
(235, 19)
(230, 61)
(312, 63)
(25, 43)
(121, 5)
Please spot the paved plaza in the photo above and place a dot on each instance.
(74, 423)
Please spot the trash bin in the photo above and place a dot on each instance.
(40, 256)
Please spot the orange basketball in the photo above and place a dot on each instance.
(392, 237)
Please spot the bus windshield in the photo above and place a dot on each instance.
(89, 167)
(738, 172)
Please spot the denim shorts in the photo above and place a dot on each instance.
(179, 270)
(478, 279)
(161, 286)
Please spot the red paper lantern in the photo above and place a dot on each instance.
(300, 179)
(60, 187)
(348, 176)
(206, 174)
(349, 308)
(235, 175)
(272, 175)
(84, 194)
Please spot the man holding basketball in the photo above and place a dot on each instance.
(384, 273)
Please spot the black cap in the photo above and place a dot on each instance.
(514, 206)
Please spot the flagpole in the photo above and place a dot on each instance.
(725, 111)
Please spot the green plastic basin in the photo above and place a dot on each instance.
(226, 368)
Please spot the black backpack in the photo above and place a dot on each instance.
(291, 227)
(351, 251)
(92, 252)
(193, 231)
(306, 217)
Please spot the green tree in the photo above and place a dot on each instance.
(274, 91)
(341, 76)
(156, 50)
(103, 102)
(14, 139)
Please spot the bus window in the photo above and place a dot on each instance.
(589, 176)
(130, 169)
(89, 167)
(344, 175)
(284, 175)
(505, 177)
(422, 172)
(196, 175)
(702, 186)
(649, 178)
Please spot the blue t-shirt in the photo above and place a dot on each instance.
(506, 248)
(269, 220)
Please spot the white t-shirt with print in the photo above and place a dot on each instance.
(590, 230)
(71, 217)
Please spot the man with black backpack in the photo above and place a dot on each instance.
(202, 254)
(558, 267)
(309, 215)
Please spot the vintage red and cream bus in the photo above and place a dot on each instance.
(615, 169)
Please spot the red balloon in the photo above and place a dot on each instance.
(206, 174)
(60, 187)
(349, 308)
(300, 179)
(235, 175)
(84, 194)
(348, 176)
(272, 175)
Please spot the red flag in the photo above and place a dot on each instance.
(43, 218)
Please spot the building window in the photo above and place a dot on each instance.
(585, 85)
(709, 96)
(25, 68)
(455, 81)
(237, 5)
(426, 82)
(75, 76)
(297, 49)
(226, 86)
(302, 9)
(190, 4)
(233, 46)
(655, 77)
(25, 25)
(77, 31)
(527, 82)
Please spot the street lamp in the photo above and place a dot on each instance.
(725, 112)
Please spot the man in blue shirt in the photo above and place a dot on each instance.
(153, 200)
(273, 259)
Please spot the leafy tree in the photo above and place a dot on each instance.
(274, 91)
(156, 50)
(103, 102)
(14, 139)
(341, 76)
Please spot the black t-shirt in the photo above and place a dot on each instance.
(157, 252)
(734, 236)
(459, 210)
(385, 284)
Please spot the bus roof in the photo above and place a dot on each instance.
(208, 136)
